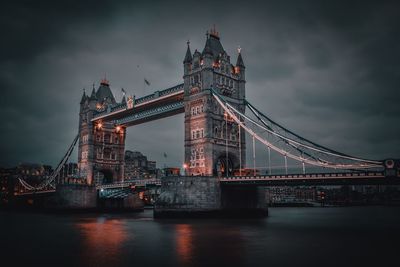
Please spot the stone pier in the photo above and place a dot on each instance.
(75, 197)
(203, 196)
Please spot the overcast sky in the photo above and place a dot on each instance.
(328, 71)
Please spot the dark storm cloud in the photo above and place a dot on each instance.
(329, 71)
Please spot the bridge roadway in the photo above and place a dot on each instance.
(316, 179)
(158, 105)
(312, 179)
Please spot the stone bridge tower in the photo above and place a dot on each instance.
(101, 145)
(212, 142)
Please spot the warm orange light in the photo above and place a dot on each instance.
(118, 129)
(184, 165)
(184, 243)
(99, 125)
(237, 70)
(108, 246)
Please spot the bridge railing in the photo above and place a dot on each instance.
(161, 93)
(305, 176)
(142, 100)
(128, 183)
(150, 112)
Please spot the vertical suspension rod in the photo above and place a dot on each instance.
(286, 165)
(269, 160)
(254, 156)
(226, 145)
(240, 152)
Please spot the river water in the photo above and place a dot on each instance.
(351, 236)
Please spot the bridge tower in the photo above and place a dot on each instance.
(212, 144)
(101, 144)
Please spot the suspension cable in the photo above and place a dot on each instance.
(321, 163)
(301, 144)
(332, 152)
(56, 172)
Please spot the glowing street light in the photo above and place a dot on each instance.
(185, 166)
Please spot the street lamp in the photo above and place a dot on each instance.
(185, 166)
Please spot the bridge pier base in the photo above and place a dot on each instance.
(203, 196)
(75, 197)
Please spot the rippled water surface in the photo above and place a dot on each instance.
(351, 236)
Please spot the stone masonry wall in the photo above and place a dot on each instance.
(76, 197)
(189, 194)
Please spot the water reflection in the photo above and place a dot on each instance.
(199, 244)
(103, 240)
(184, 243)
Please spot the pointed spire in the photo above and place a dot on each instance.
(93, 95)
(239, 61)
(84, 96)
(123, 101)
(104, 81)
(207, 48)
(214, 33)
(188, 56)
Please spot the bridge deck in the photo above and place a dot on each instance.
(160, 104)
(357, 178)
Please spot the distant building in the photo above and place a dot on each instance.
(69, 170)
(287, 194)
(32, 173)
(137, 166)
(6, 184)
(172, 171)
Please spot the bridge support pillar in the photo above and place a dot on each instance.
(75, 197)
(203, 196)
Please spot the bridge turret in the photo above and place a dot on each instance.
(84, 97)
(209, 138)
(102, 143)
(240, 71)
(187, 66)
(93, 99)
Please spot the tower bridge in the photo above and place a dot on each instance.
(213, 100)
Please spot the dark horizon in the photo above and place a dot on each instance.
(329, 72)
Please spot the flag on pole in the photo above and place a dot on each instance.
(165, 155)
(146, 81)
